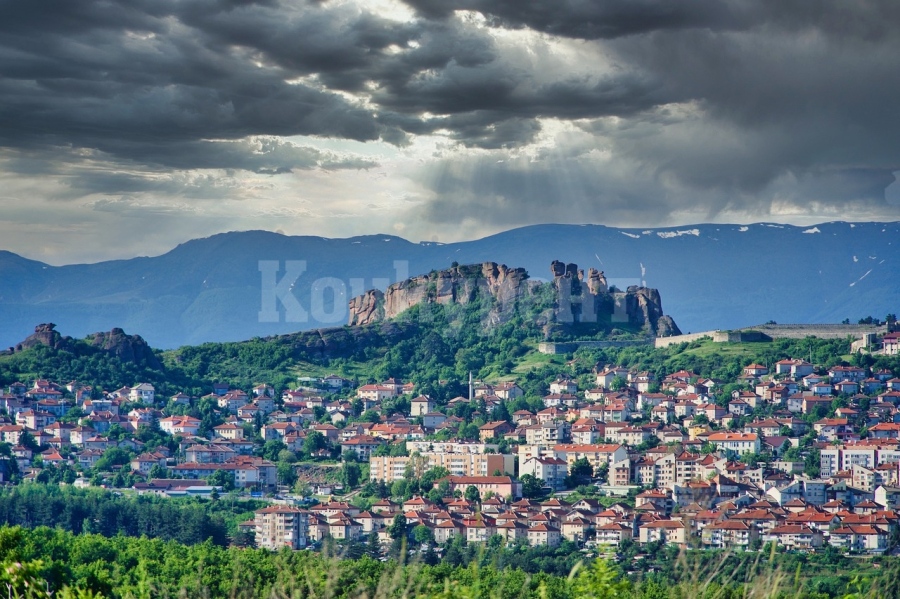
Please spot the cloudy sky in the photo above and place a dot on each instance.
(127, 127)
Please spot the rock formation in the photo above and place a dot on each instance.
(456, 285)
(44, 334)
(644, 308)
(579, 298)
(128, 348)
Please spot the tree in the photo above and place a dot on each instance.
(302, 488)
(531, 486)
(271, 449)
(221, 478)
(287, 475)
(286, 455)
(113, 456)
(430, 476)
(373, 547)
(397, 529)
(581, 469)
(472, 493)
(602, 472)
(350, 473)
(26, 439)
(617, 384)
(812, 463)
(422, 534)
(314, 442)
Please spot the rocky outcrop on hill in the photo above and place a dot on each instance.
(644, 308)
(589, 299)
(579, 297)
(128, 348)
(44, 334)
(456, 285)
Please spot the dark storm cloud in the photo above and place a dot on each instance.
(725, 106)
(592, 20)
(138, 79)
(711, 105)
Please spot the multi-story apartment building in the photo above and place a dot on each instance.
(596, 454)
(450, 447)
(548, 433)
(390, 468)
(551, 470)
(280, 526)
(865, 454)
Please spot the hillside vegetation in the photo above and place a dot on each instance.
(43, 562)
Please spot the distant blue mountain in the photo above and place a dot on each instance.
(709, 276)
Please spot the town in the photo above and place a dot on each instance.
(790, 453)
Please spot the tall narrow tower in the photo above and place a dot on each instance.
(471, 387)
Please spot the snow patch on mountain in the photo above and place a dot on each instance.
(671, 234)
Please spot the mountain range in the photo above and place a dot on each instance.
(225, 287)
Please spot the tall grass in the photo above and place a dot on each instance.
(333, 577)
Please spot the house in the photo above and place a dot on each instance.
(34, 419)
(563, 385)
(248, 412)
(146, 461)
(739, 407)
(544, 534)
(846, 373)
(362, 445)
(263, 391)
(890, 343)
(432, 420)
(376, 393)
(180, 425)
(180, 399)
(421, 405)
(795, 536)
(494, 430)
(142, 393)
(668, 531)
(740, 443)
(508, 390)
(229, 430)
(729, 534)
(795, 368)
(208, 454)
(822, 388)
(833, 429)
(860, 537)
(756, 370)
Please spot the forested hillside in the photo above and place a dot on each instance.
(427, 344)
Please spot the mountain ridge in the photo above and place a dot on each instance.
(711, 275)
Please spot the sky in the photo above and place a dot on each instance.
(127, 127)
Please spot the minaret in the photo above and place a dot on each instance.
(471, 387)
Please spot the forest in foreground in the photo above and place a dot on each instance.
(42, 563)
